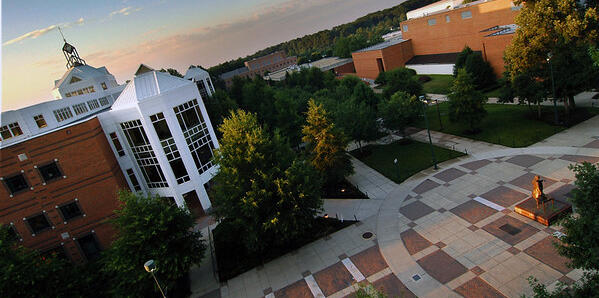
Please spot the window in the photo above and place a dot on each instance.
(89, 246)
(466, 14)
(189, 114)
(50, 172)
(5, 133)
(405, 28)
(104, 87)
(196, 133)
(133, 179)
(202, 89)
(40, 121)
(80, 108)
(12, 233)
(447, 19)
(117, 144)
(93, 104)
(144, 154)
(432, 22)
(104, 101)
(170, 148)
(70, 211)
(38, 223)
(15, 129)
(16, 183)
(11, 130)
(210, 84)
(68, 94)
(63, 114)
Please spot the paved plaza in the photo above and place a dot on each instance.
(446, 233)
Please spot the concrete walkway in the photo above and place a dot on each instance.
(456, 143)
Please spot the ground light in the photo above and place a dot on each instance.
(151, 267)
(430, 141)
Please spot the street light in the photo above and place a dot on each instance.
(556, 119)
(396, 162)
(430, 141)
(151, 267)
(439, 114)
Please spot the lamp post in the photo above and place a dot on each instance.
(430, 141)
(396, 162)
(151, 267)
(555, 116)
(439, 114)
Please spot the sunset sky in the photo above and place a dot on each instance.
(122, 34)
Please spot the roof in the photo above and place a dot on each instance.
(147, 84)
(193, 72)
(82, 72)
(382, 45)
(234, 72)
(445, 58)
(328, 63)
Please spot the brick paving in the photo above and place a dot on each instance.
(442, 266)
(476, 288)
(545, 252)
(333, 279)
(504, 196)
(473, 211)
(414, 242)
(297, 289)
(510, 230)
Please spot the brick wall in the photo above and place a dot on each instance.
(92, 175)
(452, 36)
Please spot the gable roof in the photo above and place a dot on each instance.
(143, 69)
(82, 72)
(194, 72)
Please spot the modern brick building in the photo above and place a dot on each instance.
(434, 34)
(259, 66)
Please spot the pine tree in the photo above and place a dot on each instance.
(466, 104)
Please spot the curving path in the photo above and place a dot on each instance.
(454, 233)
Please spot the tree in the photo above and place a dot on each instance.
(172, 72)
(326, 144)
(400, 111)
(357, 120)
(27, 273)
(473, 62)
(150, 228)
(401, 79)
(465, 103)
(581, 241)
(529, 90)
(264, 194)
(218, 106)
(560, 29)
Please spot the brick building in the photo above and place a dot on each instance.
(259, 66)
(434, 34)
(59, 190)
(58, 172)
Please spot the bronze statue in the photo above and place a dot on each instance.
(537, 192)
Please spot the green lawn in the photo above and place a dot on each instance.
(439, 84)
(412, 157)
(508, 125)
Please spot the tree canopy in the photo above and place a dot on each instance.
(473, 62)
(400, 111)
(466, 104)
(264, 193)
(150, 228)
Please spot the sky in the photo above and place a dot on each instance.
(123, 34)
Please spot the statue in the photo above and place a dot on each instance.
(537, 193)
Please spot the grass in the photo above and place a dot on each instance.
(508, 125)
(412, 157)
(439, 84)
(495, 92)
(232, 259)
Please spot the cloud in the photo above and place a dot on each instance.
(125, 11)
(39, 32)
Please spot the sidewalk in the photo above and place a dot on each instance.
(456, 143)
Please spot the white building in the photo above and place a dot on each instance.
(82, 91)
(202, 80)
(162, 136)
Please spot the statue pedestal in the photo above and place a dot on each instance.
(529, 209)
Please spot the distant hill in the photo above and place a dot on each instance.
(340, 40)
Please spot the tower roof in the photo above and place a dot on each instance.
(81, 72)
(147, 83)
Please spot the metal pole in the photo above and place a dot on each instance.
(430, 141)
(439, 114)
(556, 118)
(154, 276)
